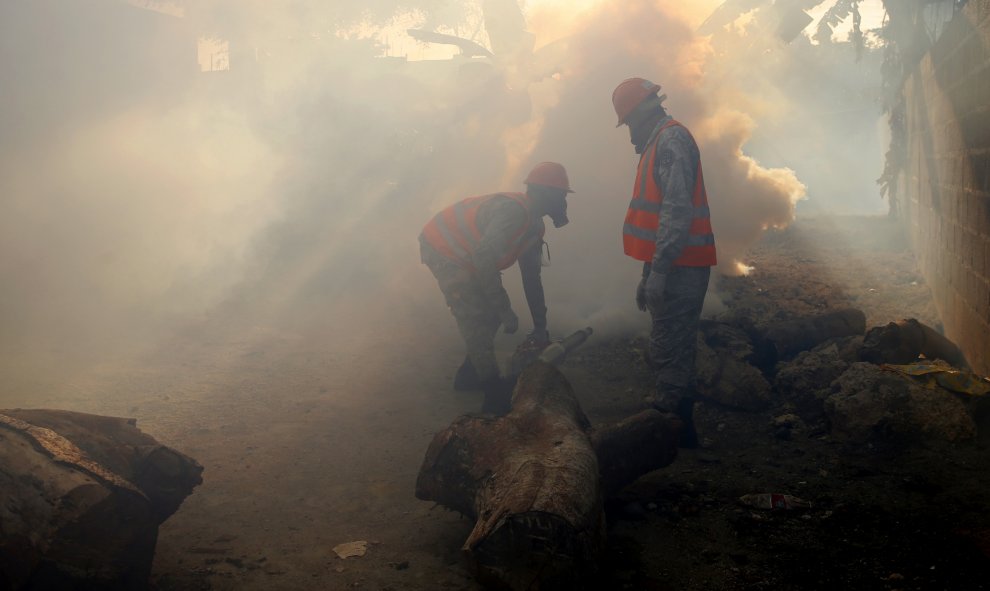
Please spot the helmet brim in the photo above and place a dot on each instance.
(550, 187)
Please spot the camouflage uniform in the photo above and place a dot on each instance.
(476, 299)
(673, 338)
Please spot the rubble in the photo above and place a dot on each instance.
(725, 375)
(804, 381)
(829, 383)
(866, 402)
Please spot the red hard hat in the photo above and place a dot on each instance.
(629, 93)
(549, 174)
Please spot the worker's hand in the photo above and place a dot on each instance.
(654, 290)
(641, 295)
(509, 320)
(539, 337)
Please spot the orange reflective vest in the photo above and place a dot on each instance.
(639, 233)
(454, 231)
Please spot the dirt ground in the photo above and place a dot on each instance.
(310, 442)
(884, 515)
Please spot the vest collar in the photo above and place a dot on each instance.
(656, 130)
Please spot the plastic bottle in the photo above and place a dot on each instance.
(774, 501)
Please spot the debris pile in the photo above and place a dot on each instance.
(828, 368)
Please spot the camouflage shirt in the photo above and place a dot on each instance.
(499, 221)
(675, 172)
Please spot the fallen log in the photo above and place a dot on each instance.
(84, 496)
(803, 334)
(639, 444)
(533, 483)
(905, 340)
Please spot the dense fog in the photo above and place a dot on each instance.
(144, 201)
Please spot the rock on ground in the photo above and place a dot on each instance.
(868, 402)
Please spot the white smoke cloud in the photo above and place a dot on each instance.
(138, 195)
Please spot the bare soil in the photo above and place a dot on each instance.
(310, 441)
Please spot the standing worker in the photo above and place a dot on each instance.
(468, 245)
(667, 227)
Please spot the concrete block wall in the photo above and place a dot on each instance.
(944, 194)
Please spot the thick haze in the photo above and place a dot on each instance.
(142, 201)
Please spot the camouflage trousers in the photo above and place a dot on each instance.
(477, 319)
(674, 334)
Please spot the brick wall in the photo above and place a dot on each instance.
(944, 194)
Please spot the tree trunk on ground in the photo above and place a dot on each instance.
(803, 334)
(903, 341)
(85, 495)
(532, 481)
(639, 444)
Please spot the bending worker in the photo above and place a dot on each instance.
(667, 226)
(468, 245)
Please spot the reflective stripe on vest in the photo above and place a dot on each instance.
(454, 232)
(639, 232)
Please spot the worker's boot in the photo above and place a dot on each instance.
(685, 412)
(498, 396)
(466, 377)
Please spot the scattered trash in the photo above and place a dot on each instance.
(351, 549)
(938, 373)
(774, 501)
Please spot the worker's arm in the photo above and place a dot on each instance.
(676, 171)
(506, 222)
(530, 265)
